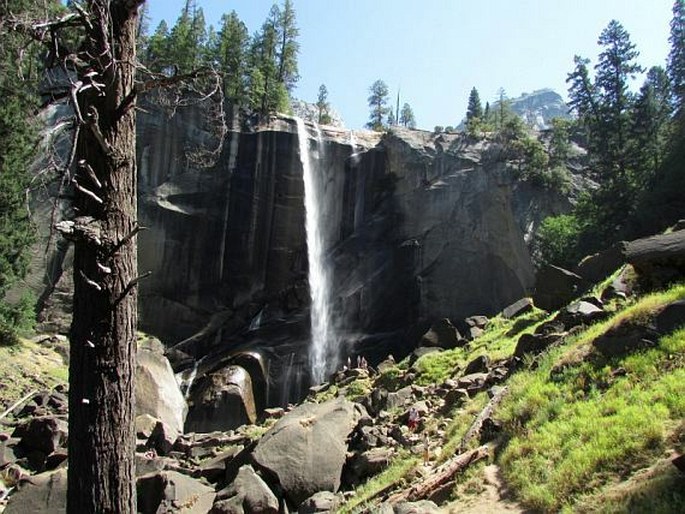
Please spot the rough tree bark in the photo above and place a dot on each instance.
(101, 476)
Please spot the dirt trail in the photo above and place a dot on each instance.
(492, 500)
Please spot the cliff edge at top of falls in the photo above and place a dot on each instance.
(418, 226)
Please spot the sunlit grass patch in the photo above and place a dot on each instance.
(580, 421)
(401, 467)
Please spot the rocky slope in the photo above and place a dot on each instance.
(351, 448)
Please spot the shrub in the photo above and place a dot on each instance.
(556, 241)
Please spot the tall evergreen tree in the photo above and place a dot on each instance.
(378, 103)
(650, 126)
(289, 47)
(407, 116)
(157, 55)
(323, 106)
(676, 57)
(615, 67)
(20, 73)
(475, 108)
(232, 57)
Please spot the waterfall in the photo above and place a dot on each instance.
(323, 351)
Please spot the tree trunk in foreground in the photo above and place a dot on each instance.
(101, 476)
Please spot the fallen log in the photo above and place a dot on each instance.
(440, 475)
(486, 413)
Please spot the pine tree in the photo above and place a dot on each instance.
(323, 106)
(615, 67)
(650, 126)
(391, 118)
(407, 116)
(676, 57)
(157, 55)
(232, 57)
(378, 103)
(474, 109)
(289, 47)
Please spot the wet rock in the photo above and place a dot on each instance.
(222, 401)
(248, 494)
(157, 392)
(518, 308)
(442, 334)
(166, 490)
(555, 287)
(45, 493)
(306, 449)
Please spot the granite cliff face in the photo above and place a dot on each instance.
(419, 226)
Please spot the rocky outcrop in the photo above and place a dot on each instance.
(157, 392)
(306, 450)
(420, 226)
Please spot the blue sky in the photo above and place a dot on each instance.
(435, 51)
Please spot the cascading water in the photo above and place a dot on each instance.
(323, 351)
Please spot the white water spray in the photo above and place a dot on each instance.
(323, 352)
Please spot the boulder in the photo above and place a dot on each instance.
(421, 351)
(145, 424)
(555, 287)
(580, 313)
(222, 401)
(598, 266)
(369, 463)
(157, 392)
(443, 335)
(306, 449)
(45, 493)
(162, 438)
(323, 501)
(535, 343)
(167, 491)
(671, 318)
(518, 308)
(480, 364)
(625, 338)
(44, 434)
(247, 494)
(398, 398)
(658, 259)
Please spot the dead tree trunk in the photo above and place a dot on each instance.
(101, 475)
(440, 476)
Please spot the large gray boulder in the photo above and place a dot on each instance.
(166, 491)
(555, 287)
(45, 493)
(658, 259)
(222, 401)
(306, 450)
(443, 334)
(247, 494)
(157, 392)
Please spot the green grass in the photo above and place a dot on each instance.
(580, 421)
(458, 427)
(401, 467)
(498, 341)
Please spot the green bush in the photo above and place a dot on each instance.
(556, 241)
